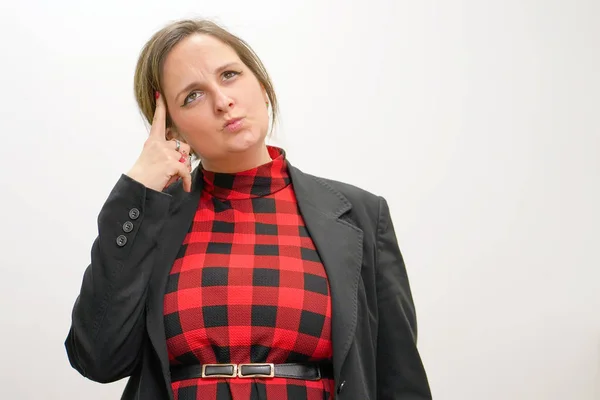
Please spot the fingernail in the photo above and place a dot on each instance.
(156, 94)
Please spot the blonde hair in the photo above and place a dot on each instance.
(148, 71)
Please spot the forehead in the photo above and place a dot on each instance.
(197, 54)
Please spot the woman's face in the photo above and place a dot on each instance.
(206, 85)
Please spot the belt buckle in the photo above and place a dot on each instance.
(271, 375)
(233, 375)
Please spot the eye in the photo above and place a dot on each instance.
(192, 96)
(230, 74)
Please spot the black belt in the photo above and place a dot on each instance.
(311, 372)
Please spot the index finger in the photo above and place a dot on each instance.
(158, 129)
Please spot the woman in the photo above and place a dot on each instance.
(246, 278)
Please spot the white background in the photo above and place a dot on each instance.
(478, 120)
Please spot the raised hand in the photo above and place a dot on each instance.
(162, 161)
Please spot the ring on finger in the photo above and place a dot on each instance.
(177, 145)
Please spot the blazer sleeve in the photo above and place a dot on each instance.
(400, 371)
(108, 318)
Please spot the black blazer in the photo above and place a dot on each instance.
(117, 326)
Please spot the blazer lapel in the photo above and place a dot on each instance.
(181, 215)
(340, 246)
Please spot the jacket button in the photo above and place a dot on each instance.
(134, 213)
(128, 226)
(121, 241)
(341, 387)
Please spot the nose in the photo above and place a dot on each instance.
(223, 102)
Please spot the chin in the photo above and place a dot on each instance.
(245, 140)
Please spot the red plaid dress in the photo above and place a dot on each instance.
(248, 286)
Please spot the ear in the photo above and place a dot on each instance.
(172, 133)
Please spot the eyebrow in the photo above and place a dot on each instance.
(188, 87)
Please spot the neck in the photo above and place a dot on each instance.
(238, 162)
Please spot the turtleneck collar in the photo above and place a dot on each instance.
(260, 181)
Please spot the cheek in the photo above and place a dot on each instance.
(259, 107)
(262, 115)
(194, 119)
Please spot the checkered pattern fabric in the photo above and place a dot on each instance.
(248, 286)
